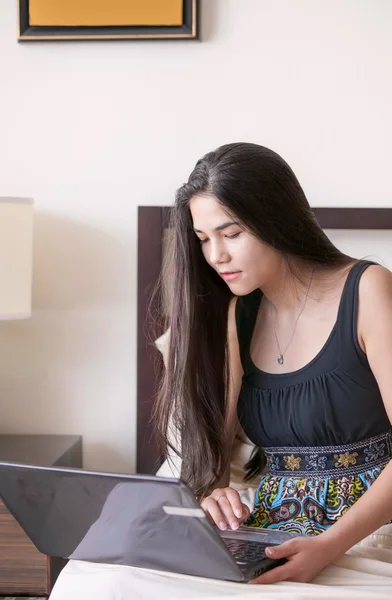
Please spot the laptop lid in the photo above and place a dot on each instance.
(137, 520)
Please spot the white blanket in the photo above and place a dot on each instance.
(364, 572)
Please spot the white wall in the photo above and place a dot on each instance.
(92, 130)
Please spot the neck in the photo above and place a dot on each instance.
(288, 290)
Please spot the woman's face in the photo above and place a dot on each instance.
(241, 259)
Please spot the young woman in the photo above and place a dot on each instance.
(276, 333)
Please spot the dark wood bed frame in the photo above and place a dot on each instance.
(151, 222)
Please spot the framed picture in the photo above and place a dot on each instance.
(108, 20)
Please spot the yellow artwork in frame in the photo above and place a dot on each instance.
(107, 19)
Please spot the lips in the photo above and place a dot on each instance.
(230, 275)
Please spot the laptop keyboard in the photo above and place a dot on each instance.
(245, 552)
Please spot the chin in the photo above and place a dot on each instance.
(242, 290)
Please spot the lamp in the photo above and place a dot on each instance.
(16, 257)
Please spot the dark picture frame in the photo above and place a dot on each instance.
(188, 30)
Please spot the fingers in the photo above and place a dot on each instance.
(245, 513)
(274, 575)
(283, 550)
(225, 508)
(212, 509)
(238, 510)
(282, 572)
(304, 561)
(230, 510)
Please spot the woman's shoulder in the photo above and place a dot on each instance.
(375, 289)
(375, 298)
(375, 278)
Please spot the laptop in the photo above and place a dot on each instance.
(137, 520)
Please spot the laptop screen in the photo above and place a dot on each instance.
(137, 520)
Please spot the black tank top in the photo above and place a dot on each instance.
(333, 400)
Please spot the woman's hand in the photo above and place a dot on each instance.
(224, 507)
(306, 557)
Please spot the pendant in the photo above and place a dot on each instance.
(280, 359)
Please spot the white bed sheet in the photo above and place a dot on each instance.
(364, 572)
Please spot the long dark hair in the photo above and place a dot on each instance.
(257, 186)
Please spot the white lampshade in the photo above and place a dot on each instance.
(16, 257)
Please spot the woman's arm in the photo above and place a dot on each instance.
(308, 556)
(374, 508)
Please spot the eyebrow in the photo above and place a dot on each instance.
(220, 227)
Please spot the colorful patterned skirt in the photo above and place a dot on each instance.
(306, 490)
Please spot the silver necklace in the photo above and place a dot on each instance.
(280, 357)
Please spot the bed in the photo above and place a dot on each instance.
(365, 571)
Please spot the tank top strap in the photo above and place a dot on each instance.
(347, 320)
(246, 311)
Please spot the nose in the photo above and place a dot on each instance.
(218, 254)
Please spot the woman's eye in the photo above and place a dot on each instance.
(233, 235)
(203, 241)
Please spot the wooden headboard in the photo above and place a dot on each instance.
(151, 222)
